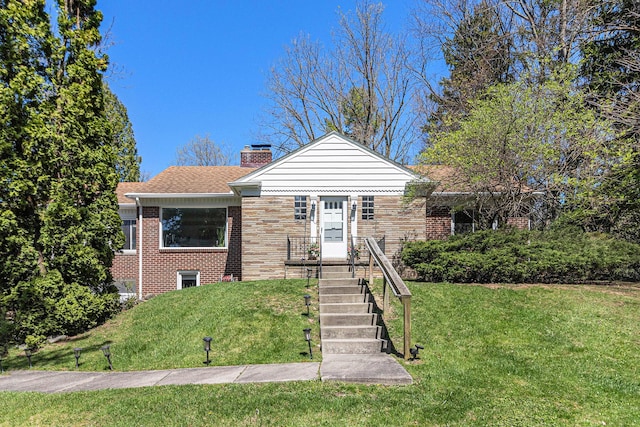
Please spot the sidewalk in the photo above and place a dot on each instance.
(364, 369)
(64, 381)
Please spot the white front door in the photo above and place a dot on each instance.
(334, 227)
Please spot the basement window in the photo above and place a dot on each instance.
(188, 279)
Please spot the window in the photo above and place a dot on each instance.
(463, 222)
(194, 227)
(367, 207)
(129, 230)
(188, 279)
(300, 207)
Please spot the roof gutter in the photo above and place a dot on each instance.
(138, 196)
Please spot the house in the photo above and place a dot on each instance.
(268, 219)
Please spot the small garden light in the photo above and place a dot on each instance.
(27, 352)
(308, 276)
(1, 368)
(207, 348)
(106, 350)
(307, 337)
(307, 302)
(76, 353)
(414, 351)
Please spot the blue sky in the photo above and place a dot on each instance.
(199, 67)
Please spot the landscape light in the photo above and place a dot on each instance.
(308, 276)
(1, 369)
(207, 348)
(307, 302)
(106, 350)
(27, 352)
(307, 337)
(76, 353)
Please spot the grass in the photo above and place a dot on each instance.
(250, 323)
(504, 355)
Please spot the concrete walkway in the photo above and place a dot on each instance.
(366, 369)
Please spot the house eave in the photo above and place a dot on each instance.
(135, 196)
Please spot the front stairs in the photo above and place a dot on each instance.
(348, 323)
(353, 347)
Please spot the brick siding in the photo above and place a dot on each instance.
(438, 224)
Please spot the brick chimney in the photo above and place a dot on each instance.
(255, 156)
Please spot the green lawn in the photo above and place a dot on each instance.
(250, 322)
(511, 356)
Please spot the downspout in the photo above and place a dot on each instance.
(139, 248)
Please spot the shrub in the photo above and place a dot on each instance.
(48, 306)
(564, 255)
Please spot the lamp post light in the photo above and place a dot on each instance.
(76, 353)
(27, 352)
(207, 348)
(307, 337)
(307, 302)
(106, 350)
(309, 270)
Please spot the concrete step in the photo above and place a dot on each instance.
(341, 268)
(344, 298)
(336, 282)
(349, 332)
(354, 346)
(340, 290)
(335, 275)
(345, 319)
(358, 307)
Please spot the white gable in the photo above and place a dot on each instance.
(331, 164)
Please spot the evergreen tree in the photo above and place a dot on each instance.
(128, 161)
(59, 219)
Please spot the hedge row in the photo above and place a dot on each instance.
(516, 256)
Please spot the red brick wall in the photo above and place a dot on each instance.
(160, 266)
(438, 225)
(125, 267)
(521, 223)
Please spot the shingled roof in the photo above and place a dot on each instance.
(186, 180)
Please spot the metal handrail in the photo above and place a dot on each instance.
(391, 279)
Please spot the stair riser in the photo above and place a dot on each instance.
(348, 320)
(353, 347)
(339, 290)
(341, 333)
(346, 308)
(341, 282)
(342, 298)
(335, 269)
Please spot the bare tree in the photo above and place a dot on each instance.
(361, 87)
(202, 151)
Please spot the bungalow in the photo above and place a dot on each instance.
(264, 219)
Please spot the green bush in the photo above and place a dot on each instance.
(48, 306)
(564, 255)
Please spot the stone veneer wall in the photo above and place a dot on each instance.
(267, 221)
(396, 221)
(160, 266)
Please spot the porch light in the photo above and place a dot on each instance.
(207, 348)
(106, 350)
(307, 302)
(307, 337)
(76, 353)
(27, 352)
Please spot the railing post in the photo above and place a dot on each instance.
(385, 295)
(406, 304)
(370, 268)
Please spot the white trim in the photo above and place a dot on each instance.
(179, 248)
(179, 277)
(139, 248)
